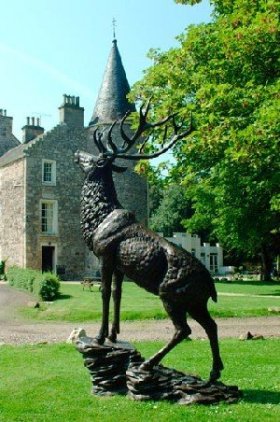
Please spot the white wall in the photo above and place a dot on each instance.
(206, 253)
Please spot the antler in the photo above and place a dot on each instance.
(112, 150)
(176, 137)
(97, 137)
(142, 126)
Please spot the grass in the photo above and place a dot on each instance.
(250, 287)
(77, 305)
(48, 383)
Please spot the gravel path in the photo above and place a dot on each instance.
(16, 331)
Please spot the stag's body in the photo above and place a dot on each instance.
(126, 248)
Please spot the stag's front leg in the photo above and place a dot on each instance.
(106, 281)
(117, 294)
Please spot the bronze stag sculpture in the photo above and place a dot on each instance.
(126, 248)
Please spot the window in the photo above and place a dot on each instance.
(202, 257)
(49, 217)
(49, 172)
(193, 252)
(213, 263)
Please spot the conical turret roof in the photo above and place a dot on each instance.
(112, 103)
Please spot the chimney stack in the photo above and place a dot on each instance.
(6, 122)
(71, 113)
(31, 130)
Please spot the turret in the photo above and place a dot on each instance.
(112, 102)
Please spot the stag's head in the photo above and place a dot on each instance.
(93, 165)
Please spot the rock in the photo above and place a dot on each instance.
(274, 309)
(75, 335)
(250, 336)
(34, 305)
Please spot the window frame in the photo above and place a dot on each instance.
(54, 222)
(51, 182)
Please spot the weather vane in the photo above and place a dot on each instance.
(114, 27)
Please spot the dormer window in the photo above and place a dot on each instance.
(49, 172)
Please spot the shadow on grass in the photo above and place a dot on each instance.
(275, 293)
(261, 396)
(64, 297)
(250, 282)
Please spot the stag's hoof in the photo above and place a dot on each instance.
(99, 339)
(113, 338)
(146, 366)
(215, 374)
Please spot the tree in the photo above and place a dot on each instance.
(226, 73)
(156, 181)
(172, 210)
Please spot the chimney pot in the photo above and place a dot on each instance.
(33, 121)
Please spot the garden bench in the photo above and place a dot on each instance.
(90, 281)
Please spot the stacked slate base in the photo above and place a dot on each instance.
(107, 364)
(163, 383)
(115, 369)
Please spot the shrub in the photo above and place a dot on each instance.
(45, 285)
(49, 286)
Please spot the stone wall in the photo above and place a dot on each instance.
(58, 145)
(12, 213)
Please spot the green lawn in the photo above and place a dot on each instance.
(77, 305)
(250, 288)
(48, 383)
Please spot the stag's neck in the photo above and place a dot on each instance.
(99, 199)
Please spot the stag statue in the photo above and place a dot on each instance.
(127, 248)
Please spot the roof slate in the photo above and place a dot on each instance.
(112, 103)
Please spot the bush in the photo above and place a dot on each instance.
(45, 285)
(49, 286)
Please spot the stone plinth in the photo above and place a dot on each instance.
(115, 369)
(107, 364)
(163, 383)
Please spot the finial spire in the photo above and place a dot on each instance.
(114, 28)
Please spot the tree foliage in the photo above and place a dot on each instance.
(226, 73)
(172, 210)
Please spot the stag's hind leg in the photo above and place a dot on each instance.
(202, 316)
(117, 294)
(178, 317)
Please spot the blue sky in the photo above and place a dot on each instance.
(52, 47)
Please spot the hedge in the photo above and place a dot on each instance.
(44, 285)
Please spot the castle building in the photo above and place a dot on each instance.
(40, 184)
(210, 255)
